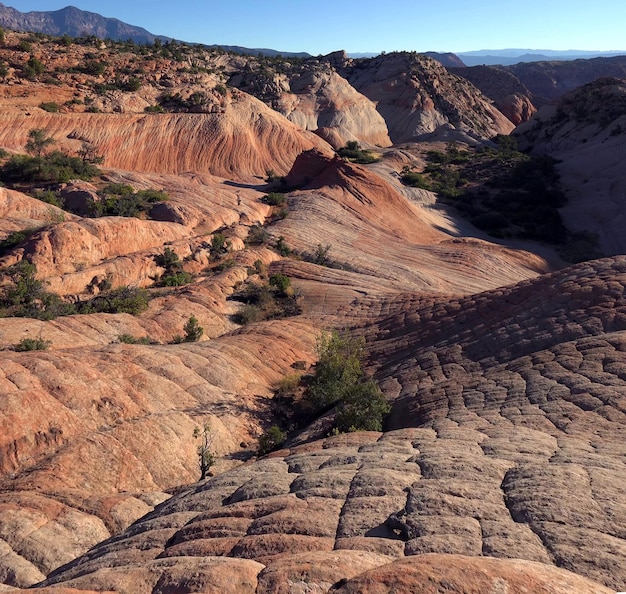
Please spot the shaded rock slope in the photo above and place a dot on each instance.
(586, 133)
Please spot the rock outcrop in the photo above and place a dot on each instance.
(245, 141)
(315, 97)
(416, 94)
(511, 97)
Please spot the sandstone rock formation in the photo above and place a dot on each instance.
(416, 94)
(509, 94)
(316, 98)
(549, 81)
(245, 141)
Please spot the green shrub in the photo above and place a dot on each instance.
(130, 339)
(38, 141)
(131, 85)
(338, 368)
(50, 106)
(14, 239)
(193, 330)
(93, 67)
(363, 408)
(55, 167)
(339, 381)
(49, 197)
(219, 246)
(176, 279)
(121, 200)
(25, 288)
(274, 199)
(206, 457)
(131, 300)
(33, 68)
(281, 282)
(281, 247)
(288, 384)
(271, 440)
(248, 314)
(414, 180)
(353, 152)
(225, 265)
(32, 344)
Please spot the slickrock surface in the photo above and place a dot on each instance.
(355, 212)
(324, 512)
(511, 405)
(432, 574)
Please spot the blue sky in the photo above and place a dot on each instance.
(322, 26)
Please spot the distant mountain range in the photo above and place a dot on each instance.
(74, 22)
(506, 57)
(80, 23)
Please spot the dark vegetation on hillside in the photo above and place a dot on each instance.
(500, 190)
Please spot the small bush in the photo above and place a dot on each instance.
(340, 381)
(193, 330)
(281, 282)
(130, 339)
(274, 199)
(288, 384)
(271, 440)
(50, 106)
(131, 300)
(14, 239)
(56, 167)
(353, 152)
(49, 197)
(122, 201)
(176, 279)
(93, 67)
(248, 314)
(32, 344)
(414, 180)
(281, 247)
